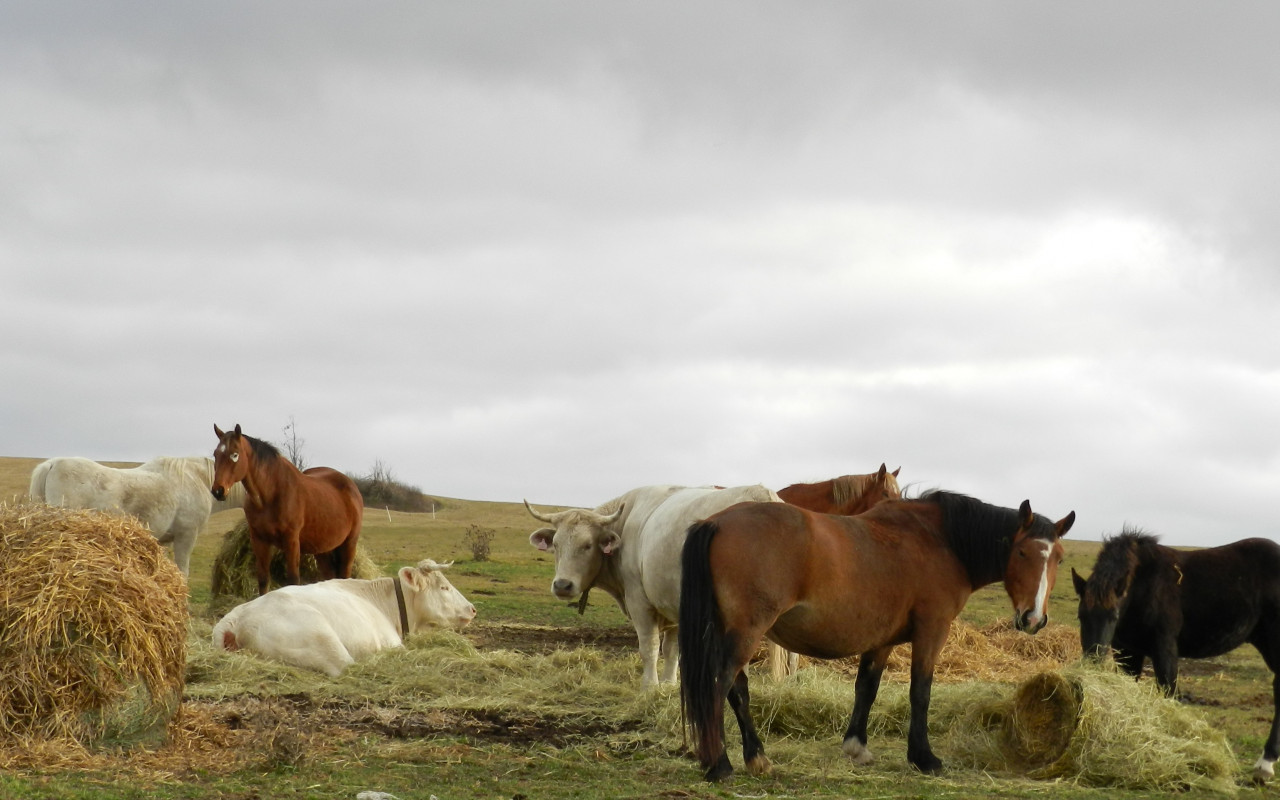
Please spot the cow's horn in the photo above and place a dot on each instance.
(612, 518)
(538, 516)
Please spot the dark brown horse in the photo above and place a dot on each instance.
(318, 511)
(848, 494)
(834, 586)
(1145, 600)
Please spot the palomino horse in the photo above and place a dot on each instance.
(1145, 600)
(832, 586)
(843, 495)
(318, 511)
(169, 495)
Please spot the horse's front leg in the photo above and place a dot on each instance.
(261, 562)
(924, 655)
(870, 668)
(1265, 768)
(292, 557)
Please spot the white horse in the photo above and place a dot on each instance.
(170, 496)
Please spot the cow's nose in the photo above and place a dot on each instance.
(562, 587)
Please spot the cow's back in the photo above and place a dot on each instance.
(657, 557)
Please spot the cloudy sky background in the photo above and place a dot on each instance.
(559, 250)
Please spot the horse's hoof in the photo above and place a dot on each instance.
(720, 770)
(1264, 770)
(926, 762)
(858, 752)
(759, 766)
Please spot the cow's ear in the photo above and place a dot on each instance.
(541, 538)
(412, 577)
(609, 543)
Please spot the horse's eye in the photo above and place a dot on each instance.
(235, 457)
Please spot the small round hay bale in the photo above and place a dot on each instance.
(235, 576)
(94, 616)
(1045, 714)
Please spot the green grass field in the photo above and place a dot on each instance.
(438, 744)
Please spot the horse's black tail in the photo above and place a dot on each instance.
(702, 646)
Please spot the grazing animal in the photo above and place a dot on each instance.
(830, 586)
(169, 495)
(330, 625)
(1145, 600)
(318, 511)
(844, 495)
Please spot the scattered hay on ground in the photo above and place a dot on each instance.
(94, 616)
(235, 576)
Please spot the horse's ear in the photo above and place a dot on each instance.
(238, 433)
(880, 475)
(1025, 517)
(1078, 581)
(218, 431)
(1064, 525)
(896, 471)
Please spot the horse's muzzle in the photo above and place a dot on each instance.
(219, 493)
(1023, 622)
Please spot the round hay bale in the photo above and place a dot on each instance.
(235, 576)
(94, 616)
(1045, 714)
(1095, 726)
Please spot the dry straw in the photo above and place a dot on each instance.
(235, 577)
(94, 622)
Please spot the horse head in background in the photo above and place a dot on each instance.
(848, 494)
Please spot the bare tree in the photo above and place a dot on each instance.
(292, 445)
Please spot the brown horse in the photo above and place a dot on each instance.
(318, 511)
(847, 494)
(831, 586)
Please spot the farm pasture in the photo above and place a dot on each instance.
(253, 729)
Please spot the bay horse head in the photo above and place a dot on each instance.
(230, 460)
(1032, 568)
(580, 539)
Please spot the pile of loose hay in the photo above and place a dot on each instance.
(94, 621)
(1094, 725)
(235, 578)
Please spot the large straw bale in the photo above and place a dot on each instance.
(235, 577)
(1096, 726)
(93, 618)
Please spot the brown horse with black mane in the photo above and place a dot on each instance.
(831, 586)
(848, 494)
(318, 511)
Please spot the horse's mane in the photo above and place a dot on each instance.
(1117, 561)
(266, 452)
(848, 488)
(980, 534)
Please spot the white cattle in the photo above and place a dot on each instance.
(330, 625)
(630, 547)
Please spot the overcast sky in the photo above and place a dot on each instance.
(558, 250)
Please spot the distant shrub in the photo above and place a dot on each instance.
(479, 540)
(380, 489)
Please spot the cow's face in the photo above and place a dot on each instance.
(431, 601)
(580, 540)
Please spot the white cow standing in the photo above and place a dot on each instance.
(630, 547)
(328, 626)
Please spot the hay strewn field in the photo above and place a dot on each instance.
(536, 701)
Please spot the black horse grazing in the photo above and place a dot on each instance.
(1145, 600)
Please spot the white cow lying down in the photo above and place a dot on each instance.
(328, 626)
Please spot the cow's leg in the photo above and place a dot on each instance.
(670, 653)
(261, 561)
(645, 620)
(870, 668)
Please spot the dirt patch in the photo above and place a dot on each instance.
(542, 639)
